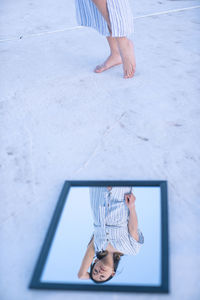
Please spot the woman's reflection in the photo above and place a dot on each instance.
(115, 232)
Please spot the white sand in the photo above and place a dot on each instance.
(61, 121)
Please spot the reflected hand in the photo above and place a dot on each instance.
(130, 200)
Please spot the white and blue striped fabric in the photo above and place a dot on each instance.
(120, 14)
(111, 216)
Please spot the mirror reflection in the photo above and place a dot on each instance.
(116, 232)
(107, 235)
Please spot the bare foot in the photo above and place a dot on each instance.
(128, 57)
(112, 60)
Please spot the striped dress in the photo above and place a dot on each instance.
(120, 15)
(111, 216)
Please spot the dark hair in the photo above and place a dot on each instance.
(100, 255)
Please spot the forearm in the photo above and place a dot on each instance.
(86, 262)
(133, 223)
(84, 275)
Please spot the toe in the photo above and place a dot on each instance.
(131, 72)
(125, 74)
(97, 69)
(100, 68)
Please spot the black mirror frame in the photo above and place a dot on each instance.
(163, 288)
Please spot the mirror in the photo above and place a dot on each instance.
(107, 235)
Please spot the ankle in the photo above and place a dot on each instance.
(115, 53)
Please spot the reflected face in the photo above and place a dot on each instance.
(101, 272)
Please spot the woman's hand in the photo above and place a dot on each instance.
(133, 221)
(130, 200)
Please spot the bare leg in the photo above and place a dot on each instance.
(114, 58)
(118, 46)
(102, 7)
(128, 57)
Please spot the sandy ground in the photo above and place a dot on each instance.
(61, 121)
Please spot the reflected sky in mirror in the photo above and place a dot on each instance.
(75, 229)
